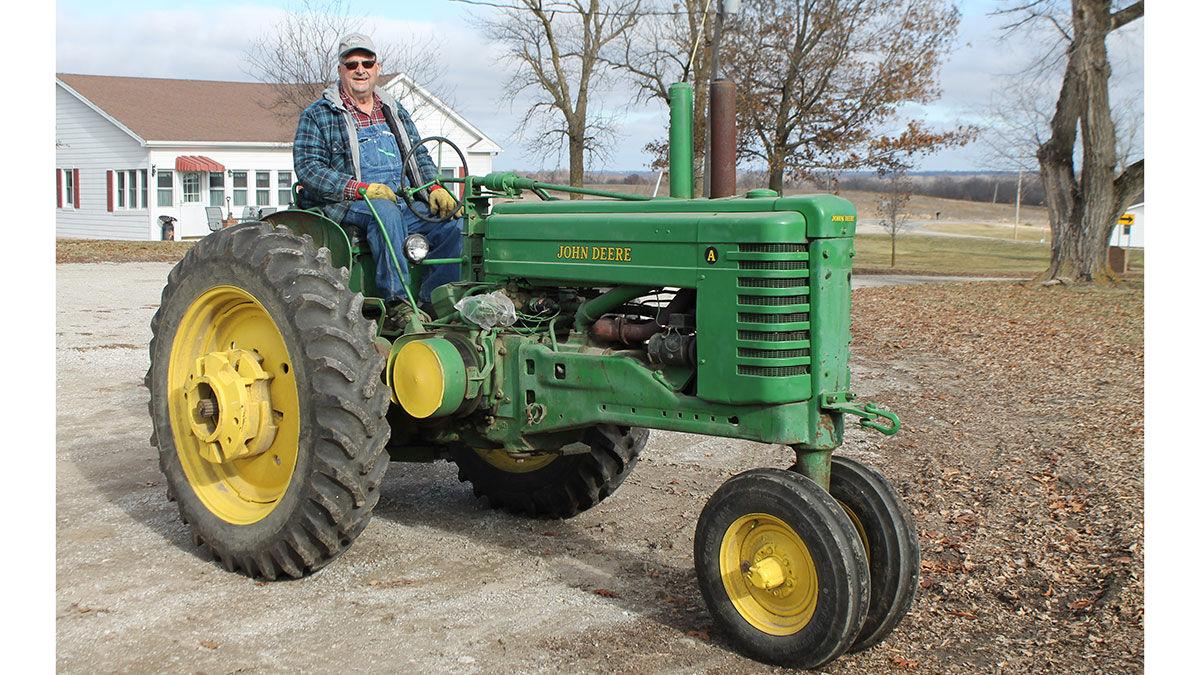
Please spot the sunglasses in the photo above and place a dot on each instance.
(353, 65)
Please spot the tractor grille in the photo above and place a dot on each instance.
(773, 310)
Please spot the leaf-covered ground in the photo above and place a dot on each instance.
(108, 250)
(1021, 458)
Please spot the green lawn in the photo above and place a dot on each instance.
(980, 256)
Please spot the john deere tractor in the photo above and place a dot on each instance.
(282, 386)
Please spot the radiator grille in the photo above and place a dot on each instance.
(757, 261)
(773, 371)
(793, 317)
(772, 300)
(751, 353)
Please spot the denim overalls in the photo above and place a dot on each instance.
(379, 158)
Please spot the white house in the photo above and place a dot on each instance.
(1131, 235)
(131, 149)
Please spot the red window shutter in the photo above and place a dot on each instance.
(110, 194)
(58, 185)
(76, 187)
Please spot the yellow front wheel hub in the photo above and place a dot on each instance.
(233, 403)
(769, 574)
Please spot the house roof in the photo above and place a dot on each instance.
(158, 109)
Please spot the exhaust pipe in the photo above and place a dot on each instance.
(680, 138)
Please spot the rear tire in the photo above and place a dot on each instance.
(554, 486)
(299, 504)
(781, 568)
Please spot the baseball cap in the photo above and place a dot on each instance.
(355, 41)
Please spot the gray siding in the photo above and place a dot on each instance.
(85, 140)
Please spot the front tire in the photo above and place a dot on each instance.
(893, 551)
(781, 568)
(266, 401)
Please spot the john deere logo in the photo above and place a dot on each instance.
(710, 255)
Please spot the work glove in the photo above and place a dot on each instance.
(441, 202)
(380, 191)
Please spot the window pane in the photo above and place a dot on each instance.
(216, 197)
(262, 197)
(262, 179)
(239, 197)
(164, 179)
(285, 188)
(142, 203)
(239, 179)
(216, 179)
(191, 187)
(132, 185)
(121, 189)
(240, 183)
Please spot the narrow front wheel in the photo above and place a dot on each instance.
(781, 568)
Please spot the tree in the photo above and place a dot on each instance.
(556, 47)
(821, 82)
(893, 200)
(670, 43)
(1083, 204)
(299, 56)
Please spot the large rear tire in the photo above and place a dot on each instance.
(266, 401)
(554, 486)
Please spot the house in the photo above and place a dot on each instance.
(131, 149)
(1131, 228)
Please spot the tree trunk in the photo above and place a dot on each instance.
(1084, 208)
(775, 174)
(575, 151)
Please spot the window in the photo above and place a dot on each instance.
(120, 189)
(166, 188)
(191, 187)
(285, 188)
(216, 189)
(262, 181)
(239, 188)
(145, 190)
(131, 188)
(68, 187)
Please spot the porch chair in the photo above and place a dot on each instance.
(213, 213)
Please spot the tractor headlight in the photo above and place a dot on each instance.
(416, 247)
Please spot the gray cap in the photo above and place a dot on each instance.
(355, 41)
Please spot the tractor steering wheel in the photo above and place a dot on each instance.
(409, 194)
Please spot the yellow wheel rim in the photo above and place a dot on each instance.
(506, 462)
(862, 531)
(233, 405)
(769, 574)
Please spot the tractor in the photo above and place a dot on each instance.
(282, 386)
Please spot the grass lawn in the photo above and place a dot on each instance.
(928, 254)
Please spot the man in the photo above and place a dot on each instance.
(350, 140)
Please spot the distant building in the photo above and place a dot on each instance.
(131, 149)
(1131, 235)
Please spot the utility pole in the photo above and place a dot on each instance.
(1017, 219)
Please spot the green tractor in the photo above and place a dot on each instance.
(282, 387)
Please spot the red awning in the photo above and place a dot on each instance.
(197, 163)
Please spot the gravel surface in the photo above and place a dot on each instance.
(1023, 471)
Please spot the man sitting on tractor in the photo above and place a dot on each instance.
(348, 150)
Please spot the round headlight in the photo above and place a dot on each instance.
(416, 247)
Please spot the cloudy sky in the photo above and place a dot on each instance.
(206, 39)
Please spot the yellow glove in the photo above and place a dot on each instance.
(441, 202)
(380, 191)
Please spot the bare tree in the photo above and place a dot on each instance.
(821, 82)
(892, 202)
(555, 48)
(1084, 203)
(298, 57)
(670, 43)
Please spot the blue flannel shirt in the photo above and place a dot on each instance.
(323, 154)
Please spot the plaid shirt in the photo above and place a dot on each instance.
(323, 153)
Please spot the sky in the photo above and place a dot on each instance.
(207, 39)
